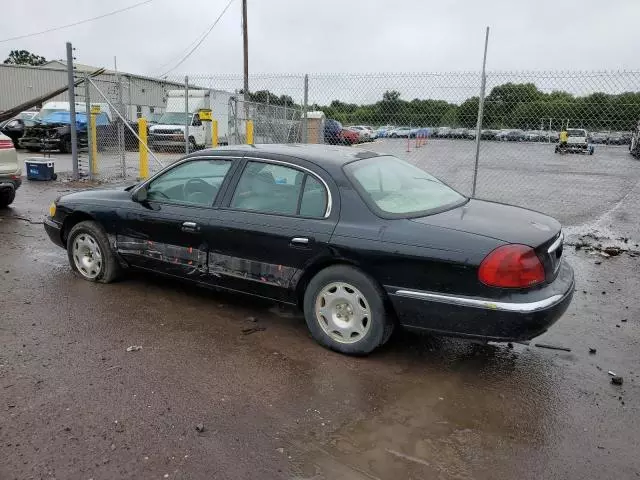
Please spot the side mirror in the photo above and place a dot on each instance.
(140, 195)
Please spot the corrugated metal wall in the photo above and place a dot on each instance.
(20, 84)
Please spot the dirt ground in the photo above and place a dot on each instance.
(75, 404)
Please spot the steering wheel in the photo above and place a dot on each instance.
(194, 183)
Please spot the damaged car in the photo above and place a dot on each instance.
(362, 242)
(53, 131)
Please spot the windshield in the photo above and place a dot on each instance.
(173, 118)
(44, 113)
(577, 133)
(392, 186)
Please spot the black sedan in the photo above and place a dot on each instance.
(360, 241)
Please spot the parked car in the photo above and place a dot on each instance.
(400, 132)
(14, 127)
(383, 132)
(359, 242)
(332, 132)
(443, 132)
(533, 135)
(10, 171)
(349, 137)
(457, 133)
(577, 141)
(618, 138)
(510, 136)
(365, 134)
(488, 134)
(53, 132)
(599, 137)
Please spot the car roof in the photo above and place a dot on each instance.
(318, 154)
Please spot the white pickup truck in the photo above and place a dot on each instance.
(577, 141)
(169, 132)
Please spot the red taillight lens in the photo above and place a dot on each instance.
(511, 266)
(6, 144)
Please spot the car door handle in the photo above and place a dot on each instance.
(190, 227)
(300, 241)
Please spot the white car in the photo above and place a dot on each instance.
(366, 133)
(10, 172)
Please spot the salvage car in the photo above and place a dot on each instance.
(53, 132)
(10, 171)
(362, 242)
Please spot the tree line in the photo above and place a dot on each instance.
(511, 105)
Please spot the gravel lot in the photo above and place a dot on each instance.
(76, 405)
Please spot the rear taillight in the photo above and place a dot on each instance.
(511, 266)
(6, 144)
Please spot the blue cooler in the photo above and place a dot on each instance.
(38, 169)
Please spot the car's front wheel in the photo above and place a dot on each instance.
(7, 196)
(345, 311)
(90, 255)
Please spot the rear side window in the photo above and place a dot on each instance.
(314, 198)
(277, 189)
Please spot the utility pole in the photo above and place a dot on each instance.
(72, 112)
(245, 43)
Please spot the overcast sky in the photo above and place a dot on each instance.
(341, 36)
(336, 35)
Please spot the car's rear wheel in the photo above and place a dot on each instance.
(7, 196)
(345, 311)
(90, 255)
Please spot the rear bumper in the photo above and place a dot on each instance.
(54, 230)
(521, 316)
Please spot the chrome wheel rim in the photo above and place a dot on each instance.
(343, 313)
(87, 256)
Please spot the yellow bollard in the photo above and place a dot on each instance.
(214, 133)
(250, 132)
(94, 140)
(142, 148)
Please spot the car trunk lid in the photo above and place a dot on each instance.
(508, 224)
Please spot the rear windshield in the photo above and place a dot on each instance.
(577, 133)
(392, 187)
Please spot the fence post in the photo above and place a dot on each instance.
(186, 115)
(72, 111)
(87, 102)
(305, 125)
(214, 133)
(483, 85)
(249, 132)
(120, 126)
(142, 148)
(93, 141)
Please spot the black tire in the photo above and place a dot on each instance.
(192, 144)
(380, 322)
(7, 197)
(110, 268)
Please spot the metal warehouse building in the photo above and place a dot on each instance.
(140, 95)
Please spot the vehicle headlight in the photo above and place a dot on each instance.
(62, 130)
(52, 209)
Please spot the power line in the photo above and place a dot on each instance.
(184, 51)
(201, 40)
(77, 23)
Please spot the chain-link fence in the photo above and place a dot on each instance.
(430, 119)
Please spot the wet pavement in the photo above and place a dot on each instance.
(74, 404)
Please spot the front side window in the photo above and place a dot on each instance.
(196, 182)
(396, 188)
(276, 189)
